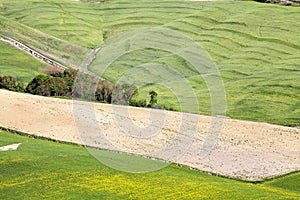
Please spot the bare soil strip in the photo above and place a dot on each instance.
(245, 150)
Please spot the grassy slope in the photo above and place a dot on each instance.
(256, 46)
(41, 169)
(16, 63)
(257, 53)
(55, 48)
(289, 182)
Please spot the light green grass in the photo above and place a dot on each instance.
(255, 46)
(41, 169)
(16, 63)
(55, 48)
(257, 54)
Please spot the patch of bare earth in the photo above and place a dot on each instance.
(243, 149)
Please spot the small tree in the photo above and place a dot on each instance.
(153, 98)
(104, 91)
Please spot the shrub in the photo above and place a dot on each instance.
(104, 91)
(153, 98)
(11, 83)
(47, 86)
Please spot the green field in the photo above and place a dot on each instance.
(41, 169)
(255, 46)
(14, 62)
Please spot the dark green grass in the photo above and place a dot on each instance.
(41, 169)
(14, 62)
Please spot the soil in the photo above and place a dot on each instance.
(234, 148)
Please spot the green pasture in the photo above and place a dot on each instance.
(41, 169)
(14, 62)
(255, 46)
(55, 48)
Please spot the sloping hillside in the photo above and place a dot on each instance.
(255, 47)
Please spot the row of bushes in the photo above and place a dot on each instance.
(72, 83)
(63, 83)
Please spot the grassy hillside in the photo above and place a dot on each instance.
(255, 46)
(41, 169)
(257, 53)
(290, 182)
(14, 62)
(60, 50)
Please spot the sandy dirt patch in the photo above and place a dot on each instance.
(241, 149)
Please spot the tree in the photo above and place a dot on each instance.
(153, 98)
(47, 86)
(40, 85)
(104, 91)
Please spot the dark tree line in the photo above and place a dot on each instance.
(65, 83)
(72, 83)
(48, 86)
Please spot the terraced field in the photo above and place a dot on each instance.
(48, 170)
(255, 47)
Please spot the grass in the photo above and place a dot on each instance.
(289, 182)
(255, 46)
(41, 169)
(24, 68)
(59, 50)
(257, 53)
(258, 65)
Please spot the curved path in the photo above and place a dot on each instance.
(246, 150)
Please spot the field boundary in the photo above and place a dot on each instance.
(13, 131)
(268, 179)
